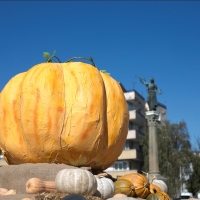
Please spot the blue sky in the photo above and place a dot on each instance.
(126, 38)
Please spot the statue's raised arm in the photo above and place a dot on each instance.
(142, 80)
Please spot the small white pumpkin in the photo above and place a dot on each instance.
(76, 181)
(105, 187)
(161, 184)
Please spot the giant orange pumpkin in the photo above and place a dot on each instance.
(64, 113)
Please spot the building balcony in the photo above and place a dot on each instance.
(118, 173)
(134, 135)
(137, 118)
(131, 154)
(122, 167)
(135, 98)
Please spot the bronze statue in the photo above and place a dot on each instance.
(152, 89)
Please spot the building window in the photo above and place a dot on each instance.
(128, 145)
(125, 165)
(130, 106)
(140, 148)
(121, 165)
(140, 129)
(131, 125)
(130, 165)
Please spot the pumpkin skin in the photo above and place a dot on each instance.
(26, 199)
(63, 113)
(140, 183)
(3, 191)
(119, 195)
(36, 185)
(122, 198)
(76, 181)
(105, 187)
(158, 196)
(11, 192)
(154, 188)
(161, 184)
(124, 186)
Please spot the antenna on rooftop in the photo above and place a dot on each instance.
(133, 85)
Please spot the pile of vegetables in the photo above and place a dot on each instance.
(83, 182)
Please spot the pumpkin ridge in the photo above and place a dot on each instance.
(77, 75)
(103, 186)
(64, 116)
(84, 181)
(114, 129)
(20, 103)
(23, 91)
(13, 118)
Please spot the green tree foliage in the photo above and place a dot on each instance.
(174, 151)
(193, 183)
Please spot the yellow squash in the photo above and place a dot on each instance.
(63, 113)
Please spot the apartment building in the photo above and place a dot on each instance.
(131, 159)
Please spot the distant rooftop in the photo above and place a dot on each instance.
(162, 105)
(124, 90)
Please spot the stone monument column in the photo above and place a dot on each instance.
(152, 118)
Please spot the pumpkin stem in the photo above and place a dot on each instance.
(50, 59)
(153, 179)
(146, 184)
(107, 176)
(102, 174)
(144, 172)
(147, 175)
(133, 187)
(79, 57)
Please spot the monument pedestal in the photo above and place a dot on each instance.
(152, 119)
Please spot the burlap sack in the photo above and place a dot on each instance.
(15, 176)
(17, 197)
